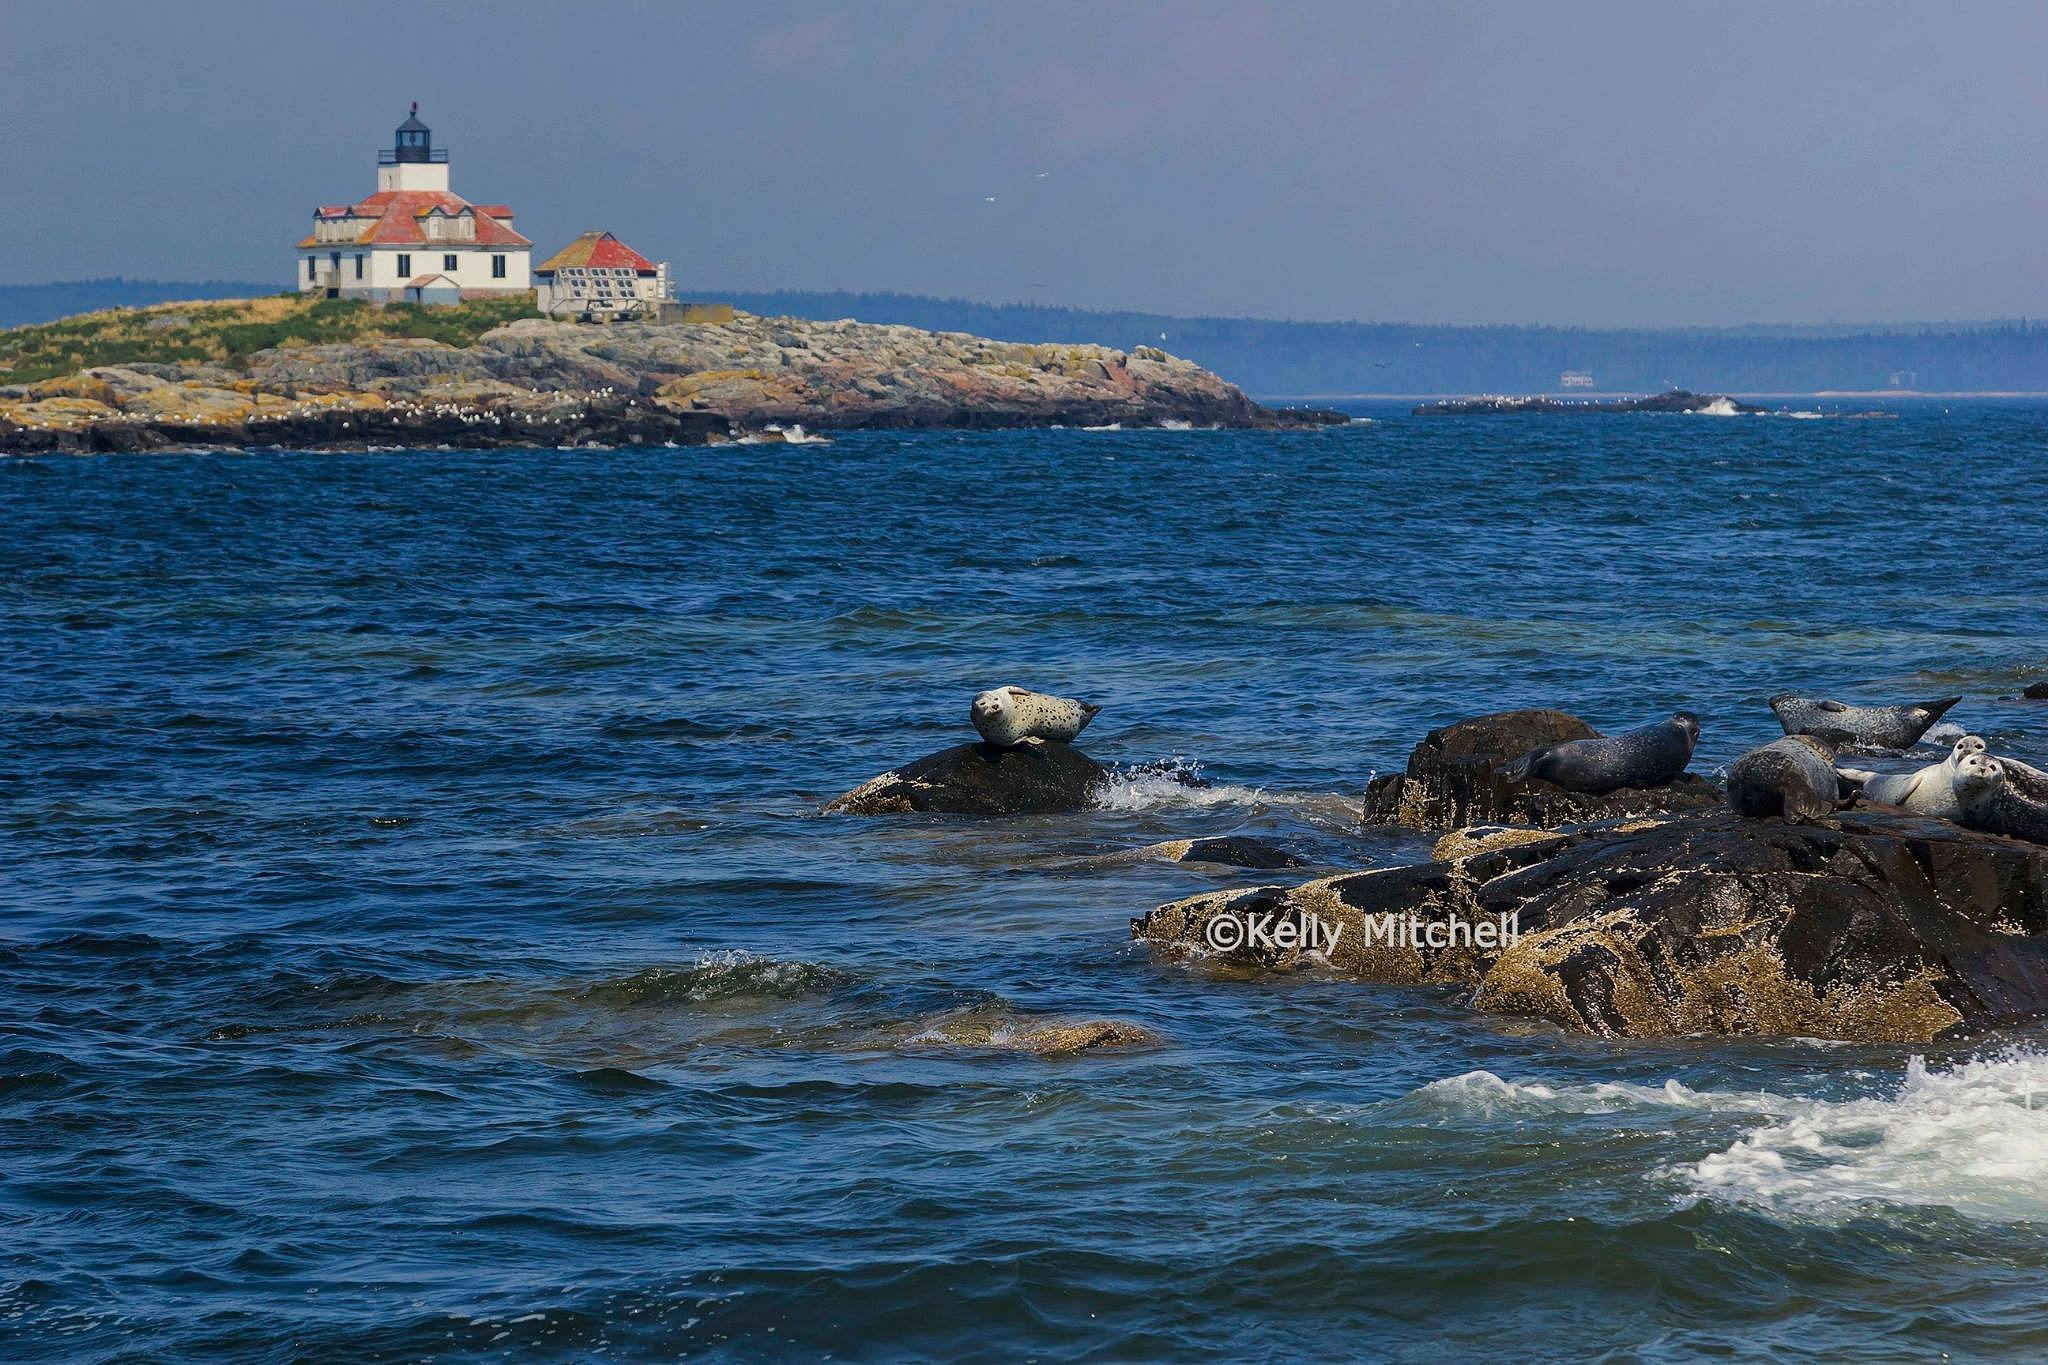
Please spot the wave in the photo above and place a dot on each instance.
(724, 975)
(1972, 1138)
(1176, 783)
(1720, 407)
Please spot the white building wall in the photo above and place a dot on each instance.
(382, 278)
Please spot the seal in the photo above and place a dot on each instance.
(1007, 716)
(1793, 777)
(1648, 756)
(1930, 791)
(2024, 778)
(1874, 727)
(1993, 804)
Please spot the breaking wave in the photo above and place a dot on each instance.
(1176, 783)
(1972, 1138)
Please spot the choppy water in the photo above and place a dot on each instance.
(418, 940)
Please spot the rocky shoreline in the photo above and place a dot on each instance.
(538, 383)
(1656, 912)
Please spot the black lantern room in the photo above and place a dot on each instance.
(415, 140)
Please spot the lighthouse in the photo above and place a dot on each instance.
(414, 240)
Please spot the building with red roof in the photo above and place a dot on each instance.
(413, 231)
(598, 278)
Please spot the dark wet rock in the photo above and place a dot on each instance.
(1878, 926)
(1676, 400)
(1452, 780)
(1035, 778)
(542, 421)
(2036, 691)
(1230, 850)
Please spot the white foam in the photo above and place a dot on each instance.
(1807, 416)
(1168, 784)
(1973, 1138)
(1945, 732)
(1720, 407)
(1485, 1094)
(1111, 426)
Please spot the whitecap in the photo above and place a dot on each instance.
(1176, 783)
(1972, 1138)
(1720, 407)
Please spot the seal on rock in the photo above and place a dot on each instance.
(1007, 716)
(1875, 727)
(1793, 777)
(1648, 756)
(1930, 791)
(1992, 803)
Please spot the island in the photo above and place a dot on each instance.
(303, 372)
(1676, 400)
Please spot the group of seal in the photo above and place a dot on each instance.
(1798, 777)
(1970, 787)
(1005, 717)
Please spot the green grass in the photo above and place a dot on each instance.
(230, 332)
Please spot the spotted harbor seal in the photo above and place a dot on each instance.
(1793, 777)
(1992, 803)
(1007, 716)
(1930, 791)
(1648, 756)
(1875, 727)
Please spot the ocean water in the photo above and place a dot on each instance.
(418, 939)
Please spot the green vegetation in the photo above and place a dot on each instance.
(229, 332)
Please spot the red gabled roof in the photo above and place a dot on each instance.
(395, 216)
(599, 249)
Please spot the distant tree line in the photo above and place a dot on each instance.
(21, 304)
(1287, 359)
(1280, 359)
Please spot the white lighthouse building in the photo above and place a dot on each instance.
(413, 240)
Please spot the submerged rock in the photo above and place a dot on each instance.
(1876, 927)
(1228, 850)
(1036, 778)
(1452, 780)
(1001, 1032)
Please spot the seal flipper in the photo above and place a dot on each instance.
(1937, 709)
(1517, 770)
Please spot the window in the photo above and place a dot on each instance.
(312, 268)
(448, 261)
(497, 267)
(359, 265)
(405, 264)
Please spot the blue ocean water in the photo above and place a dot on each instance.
(418, 939)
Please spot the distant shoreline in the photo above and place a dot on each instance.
(1605, 395)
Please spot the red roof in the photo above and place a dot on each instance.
(599, 249)
(394, 220)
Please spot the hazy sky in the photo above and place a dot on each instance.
(1510, 162)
